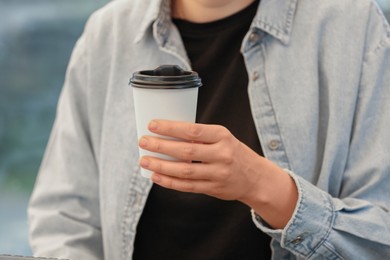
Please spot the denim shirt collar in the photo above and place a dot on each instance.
(157, 15)
(274, 17)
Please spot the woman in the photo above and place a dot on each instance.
(291, 136)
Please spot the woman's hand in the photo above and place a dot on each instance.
(223, 170)
(211, 161)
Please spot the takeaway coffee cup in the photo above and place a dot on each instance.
(167, 92)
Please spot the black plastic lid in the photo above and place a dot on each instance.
(166, 77)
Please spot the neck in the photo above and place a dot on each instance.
(203, 11)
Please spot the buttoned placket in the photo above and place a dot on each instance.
(260, 99)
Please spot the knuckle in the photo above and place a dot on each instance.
(227, 156)
(188, 170)
(194, 131)
(188, 151)
(223, 133)
(224, 173)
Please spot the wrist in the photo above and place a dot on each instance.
(274, 194)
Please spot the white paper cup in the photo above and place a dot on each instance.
(167, 92)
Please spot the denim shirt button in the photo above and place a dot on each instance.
(297, 240)
(273, 144)
(255, 76)
(254, 37)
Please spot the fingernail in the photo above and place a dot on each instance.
(152, 125)
(143, 142)
(144, 163)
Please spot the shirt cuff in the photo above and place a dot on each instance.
(310, 224)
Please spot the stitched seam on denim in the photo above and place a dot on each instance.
(334, 252)
(333, 217)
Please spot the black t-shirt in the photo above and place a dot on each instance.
(176, 225)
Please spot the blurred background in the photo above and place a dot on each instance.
(36, 39)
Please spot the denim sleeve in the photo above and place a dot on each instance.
(332, 228)
(356, 223)
(64, 218)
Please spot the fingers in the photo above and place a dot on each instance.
(184, 185)
(212, 145)
(183, 170)
(180, 176)
(189, 131)
(185, 151)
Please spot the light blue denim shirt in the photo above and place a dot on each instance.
(319, 74)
